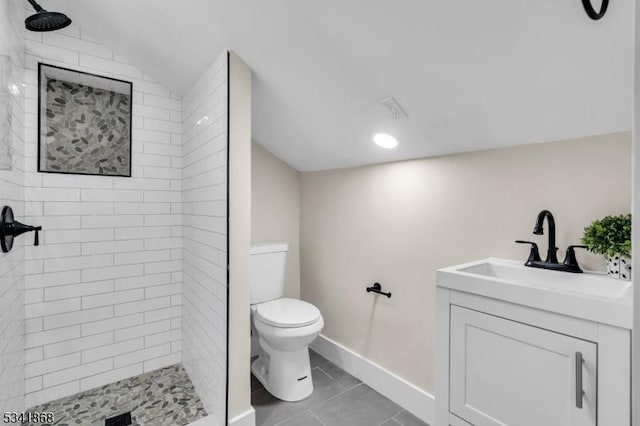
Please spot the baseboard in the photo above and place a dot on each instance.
(248, 418)
(413, 399)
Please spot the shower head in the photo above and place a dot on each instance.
(45, 21)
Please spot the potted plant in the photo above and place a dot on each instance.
(611, 237)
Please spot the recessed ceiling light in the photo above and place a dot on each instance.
(385, 140)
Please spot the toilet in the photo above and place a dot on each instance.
(285, 327)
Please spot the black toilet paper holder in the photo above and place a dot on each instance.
(377, 288)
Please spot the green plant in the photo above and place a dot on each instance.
(609, 236)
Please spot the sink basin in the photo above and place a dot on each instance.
(590, 296)
(589, 283)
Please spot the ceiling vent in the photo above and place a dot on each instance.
(393, 108)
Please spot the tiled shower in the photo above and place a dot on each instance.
(130, 276)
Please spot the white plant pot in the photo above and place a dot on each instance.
(619, 267)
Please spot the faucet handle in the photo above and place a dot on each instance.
(534, 254)
(570, 258)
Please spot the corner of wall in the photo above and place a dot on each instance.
(275, 209)
(204, 213)
(239, 387)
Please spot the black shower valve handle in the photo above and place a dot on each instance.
(36, 239)
(16, 228)
(11, 228)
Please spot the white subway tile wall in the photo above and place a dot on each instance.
(12, 323)
(205, 237)
(103, 299)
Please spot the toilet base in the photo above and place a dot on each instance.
(284, 374)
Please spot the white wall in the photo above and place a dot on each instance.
(205, 237)
(275, 209)
(398, 223)
(103, 292)
(12, 193)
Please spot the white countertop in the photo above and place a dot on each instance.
(591, 296)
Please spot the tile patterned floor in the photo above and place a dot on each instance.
(338, 399)
(164, 397)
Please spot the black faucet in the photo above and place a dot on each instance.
(570, 263)
(539, 230)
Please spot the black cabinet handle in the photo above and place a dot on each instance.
(579, 390)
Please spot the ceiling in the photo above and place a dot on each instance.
(470, 74)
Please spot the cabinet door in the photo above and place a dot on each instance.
(507, 373)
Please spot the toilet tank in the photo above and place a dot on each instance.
(268, 261)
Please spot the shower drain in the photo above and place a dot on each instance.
(121, 420)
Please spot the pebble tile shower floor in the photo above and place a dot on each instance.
(164, 397)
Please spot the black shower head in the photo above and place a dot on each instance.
(45, 21)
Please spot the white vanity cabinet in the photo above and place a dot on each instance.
(516, 361)
(504, 372)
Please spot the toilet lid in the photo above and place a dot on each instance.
(287, 313)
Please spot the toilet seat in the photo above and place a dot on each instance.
(287, 313)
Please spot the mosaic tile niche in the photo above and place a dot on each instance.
(86, 128)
